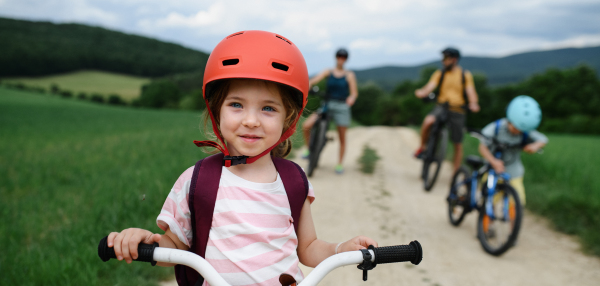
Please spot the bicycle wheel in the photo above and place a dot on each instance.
(459, 198)
(317, 142)
(435, 153)
(497, 234)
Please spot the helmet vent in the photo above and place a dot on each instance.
(286, 40)
(231, 62)
(280, 66)
(236, 34)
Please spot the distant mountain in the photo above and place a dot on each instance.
(503, 70)
(42, 48)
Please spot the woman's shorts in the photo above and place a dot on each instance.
(340, 112)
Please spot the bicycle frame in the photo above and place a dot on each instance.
(492, 182)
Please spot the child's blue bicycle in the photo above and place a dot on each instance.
(499, 206)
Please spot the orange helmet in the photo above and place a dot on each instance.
(255, 55)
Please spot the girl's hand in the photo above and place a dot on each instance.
(126, 242)
(357, 243)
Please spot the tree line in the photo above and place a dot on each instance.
(42, 48)
(569, 98)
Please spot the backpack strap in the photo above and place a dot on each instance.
(295, 184)
(201, 200)
(524, 139)
(439, 86)
(464, 93)
(497, 129)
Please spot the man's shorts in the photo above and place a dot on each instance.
(456, 123)
(339, 111)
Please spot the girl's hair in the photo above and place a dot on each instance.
(219, 91)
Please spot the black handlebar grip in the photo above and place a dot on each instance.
(399, 253)
(145, 251)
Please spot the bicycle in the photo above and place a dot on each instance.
(434, 154)
(318, 133)
(366, 258)
(499, 206)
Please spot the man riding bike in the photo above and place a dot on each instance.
(341, 93)
(456, 87)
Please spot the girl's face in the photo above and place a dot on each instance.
(252, 117)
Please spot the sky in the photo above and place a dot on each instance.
(376, 32)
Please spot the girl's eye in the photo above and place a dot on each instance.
(268, 108)
(236, 105)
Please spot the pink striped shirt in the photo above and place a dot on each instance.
(252, 239)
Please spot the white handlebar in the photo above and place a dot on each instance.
(213, 278)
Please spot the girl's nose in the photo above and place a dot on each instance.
(251, 120)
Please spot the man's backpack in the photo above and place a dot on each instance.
(203, 195)
(439, 87)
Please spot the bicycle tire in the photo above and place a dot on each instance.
(438, 143)
(484, 232)
(318, 140)
(459, 198)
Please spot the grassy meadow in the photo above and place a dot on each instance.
(563, 184)
(89, 81)
(71, 172)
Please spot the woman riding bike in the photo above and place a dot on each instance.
(341, 94)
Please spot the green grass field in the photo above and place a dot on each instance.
(71, 172)
(563, 184)
(89, 81)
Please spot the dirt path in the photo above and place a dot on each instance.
(391, 207)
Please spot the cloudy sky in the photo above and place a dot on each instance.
(377, 32)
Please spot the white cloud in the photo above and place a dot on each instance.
(213, 15)
(375, 31)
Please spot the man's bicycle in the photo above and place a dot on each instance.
(499, 206)
(435, 152)
(318, 133)
(366, 259)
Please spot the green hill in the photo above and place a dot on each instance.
(43, 48)
(510, 69)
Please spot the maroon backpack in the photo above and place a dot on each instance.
(203, 195)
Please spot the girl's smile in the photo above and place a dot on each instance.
(252, 117)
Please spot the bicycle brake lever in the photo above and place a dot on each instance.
(366, 265)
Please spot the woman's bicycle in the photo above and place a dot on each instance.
(499, 206)
(366, 259)
(318, 133)
(434, 155)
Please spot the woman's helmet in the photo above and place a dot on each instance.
(341, 53)
(255, 55)
(451, 52)
(524, 113)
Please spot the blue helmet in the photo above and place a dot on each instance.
(524, 113)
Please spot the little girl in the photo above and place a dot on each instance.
(255, 88)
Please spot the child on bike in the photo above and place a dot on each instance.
(255, 88)
(523, 116)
